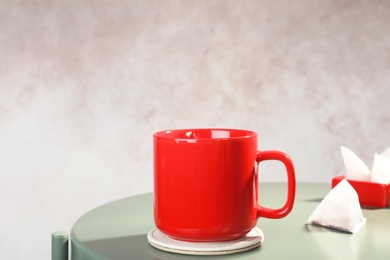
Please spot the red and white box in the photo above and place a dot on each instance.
(370, 194)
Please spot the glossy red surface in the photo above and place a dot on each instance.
(370, 193)
(205, 183)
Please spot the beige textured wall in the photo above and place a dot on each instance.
(83, 85)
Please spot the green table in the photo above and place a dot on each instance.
(118, 230)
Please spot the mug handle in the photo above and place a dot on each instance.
(291, 183)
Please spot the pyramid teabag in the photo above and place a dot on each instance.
(380, 171)
(386, 153)
(340, 209)
(355, 169)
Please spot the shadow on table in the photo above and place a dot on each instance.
(316, 200)
(137, 247)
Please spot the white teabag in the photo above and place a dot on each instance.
(386, 153)
(355, 169)
(380, 171)
(340, 209)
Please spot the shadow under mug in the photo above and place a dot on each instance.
(206, 183)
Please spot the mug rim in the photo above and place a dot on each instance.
(186, 134)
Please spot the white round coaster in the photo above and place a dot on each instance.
(250, 241)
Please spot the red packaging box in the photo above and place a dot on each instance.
(370, 194)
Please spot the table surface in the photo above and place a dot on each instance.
(118, 230)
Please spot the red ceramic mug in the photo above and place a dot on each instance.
(205, 183)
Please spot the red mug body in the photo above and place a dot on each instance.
(206, 183)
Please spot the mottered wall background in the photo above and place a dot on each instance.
(84, 85)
